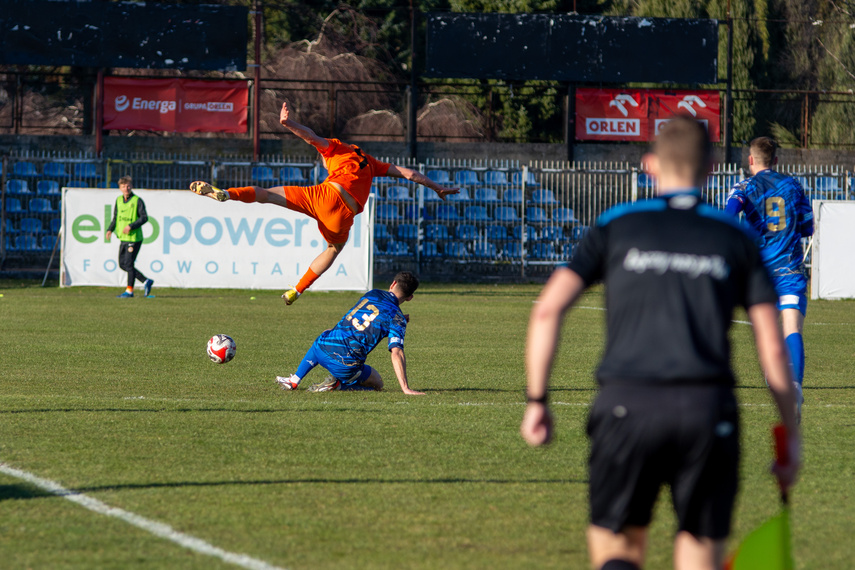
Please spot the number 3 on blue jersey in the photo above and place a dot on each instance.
(366, 319)
(775, 208)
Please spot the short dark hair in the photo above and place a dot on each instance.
(125, 180)
(407, 282)
(684, 146)
(763, 149)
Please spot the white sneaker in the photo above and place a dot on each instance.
(290, 383)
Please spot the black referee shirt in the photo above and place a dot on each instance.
(674, 270)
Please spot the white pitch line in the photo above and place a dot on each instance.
(156, 528)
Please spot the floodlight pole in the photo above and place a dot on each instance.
(99, 113)
(728, 99)
(413, 90)
(256, 88)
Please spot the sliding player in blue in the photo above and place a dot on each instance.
(775, 206)
(343, 349)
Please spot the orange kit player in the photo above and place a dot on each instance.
(333, 203)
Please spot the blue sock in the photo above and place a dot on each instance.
(797, 354)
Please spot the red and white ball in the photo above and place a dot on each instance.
(221, 348)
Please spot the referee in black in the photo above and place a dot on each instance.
(674, 270)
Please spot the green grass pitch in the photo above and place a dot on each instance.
(117, 399)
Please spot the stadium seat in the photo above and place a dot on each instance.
(86, 170)
(397, 248)
(429, 249)
(26, 242)
(30, 226)
(466, 178)
(411, 212)
(381, 232)
(15, 186)
(530, 233)
(24, 169)
(536, 215)
(322, 173)
(78, 184)
(506, 214)
(476, 214)
(55, 169)
(552, 233)
(388, 180)
(514, 196)
(496, 233)
(8, 227)
(543, 197)
(439, 176)
(645, 180)
(105, 184)
(407, 231)
(47, 187)
(462, 196)
(388, 212)
(496, 177)
(447, 212)
(579, 232)
(13, 206)
(436, 232)
(429, 195)
(563, 216)
(398, 193)
(486, 195)
(456, 250)
(55, 224)
(466, 232)
(291, 176)
(262, 174)
(512, 250)
(41, 206)
(516, 179)
(484, 249)
(543, 250)
(48, 241)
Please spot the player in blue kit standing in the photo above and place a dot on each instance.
(776, 208)
(343, 349)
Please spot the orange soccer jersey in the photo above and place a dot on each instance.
(352, 169)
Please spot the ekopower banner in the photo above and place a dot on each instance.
(175, 105)
(638, 114)
(192, 241)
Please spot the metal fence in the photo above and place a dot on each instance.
(509, 219)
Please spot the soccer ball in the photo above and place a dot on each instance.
(221, 348)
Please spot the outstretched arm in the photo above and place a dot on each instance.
(399, 363)
(301, 131)
(419, 178)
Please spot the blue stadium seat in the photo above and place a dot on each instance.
(514, 196)
(55, 169)
(530, 233)
(496, 177)
(262, 174)
(486, 195)
(55, 224)
(429, 249)
(544, 197)
(105, 184)
(47, 187)
(436, 232)
(506, 214)
(48, 241)
(30, 226)
(439, 176)
(466, 178)
(484, 249)
(407, 231)
(496, 233)
(457, 250)
(466, 232)
(462, 196)
(398, 193)
(26, 242)
(322, 173)
(86, 170)
(388, 212)
(563, 216)
(13, 206)
(552, 233)
(9, 227)
(827, 183)
(41, 206)
(78, 184)
(15, 186)
(291, 176)
(645, 180)
(512, 250)
(476, 214)
(543, 250)
(447, 212)
(430, 195)
(516, 179)
(397, 248)
(387, 180)
(536, 215)
(381, 231)
(579, 232)
(24, 169)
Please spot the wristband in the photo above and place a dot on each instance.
(542, 400)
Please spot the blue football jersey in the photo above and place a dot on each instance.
(376, 316)
(777, 210)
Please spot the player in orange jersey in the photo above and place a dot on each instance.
(333, 203)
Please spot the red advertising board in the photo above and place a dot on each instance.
(637, 115)
(175, 105)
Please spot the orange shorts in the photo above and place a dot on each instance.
(324, 204)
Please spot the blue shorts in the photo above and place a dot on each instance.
(792, 292)
(347, 374)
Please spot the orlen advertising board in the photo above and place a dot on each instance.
(638, 114)
(175, 105)
(192, 241)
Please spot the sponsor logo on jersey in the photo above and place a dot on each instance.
(691, 265)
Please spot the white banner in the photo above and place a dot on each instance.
(192, 241)
(832, 262)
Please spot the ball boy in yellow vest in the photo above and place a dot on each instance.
(129, 215)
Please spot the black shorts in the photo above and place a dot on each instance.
(645, 436)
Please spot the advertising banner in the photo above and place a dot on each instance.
(191, 241)
(175, 105)
(637, 115)
(611, 115)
